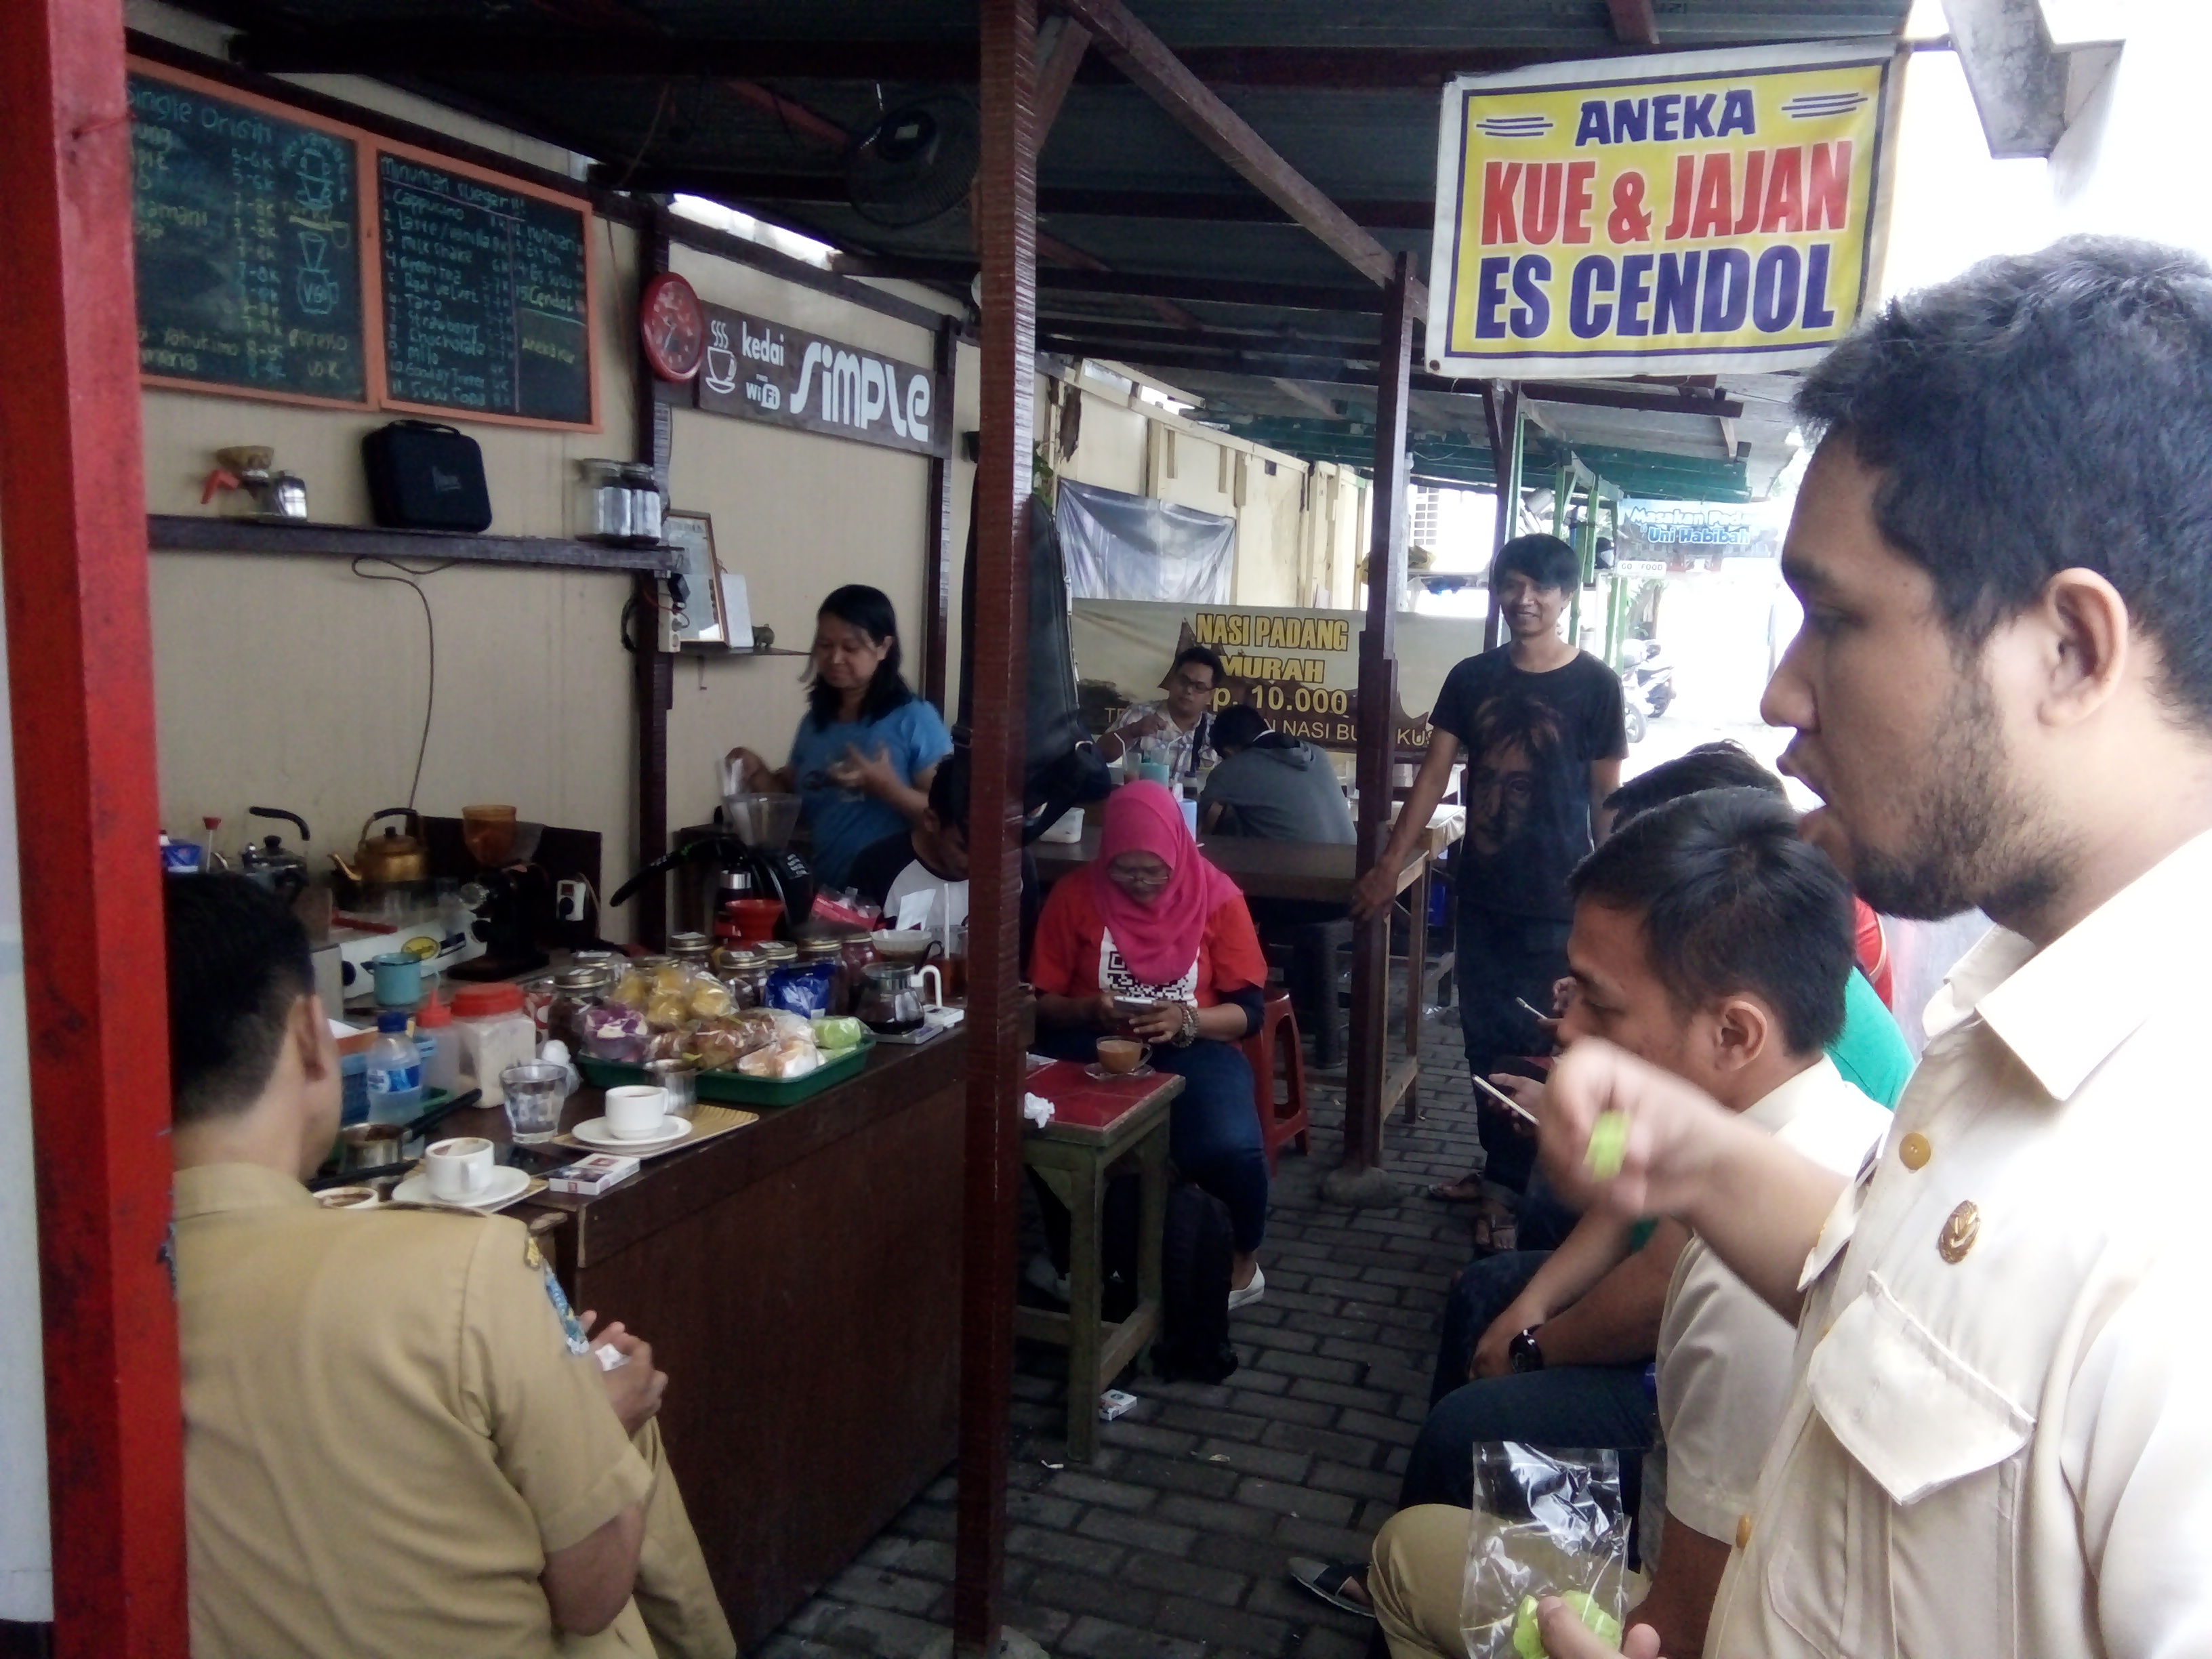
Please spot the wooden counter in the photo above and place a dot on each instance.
(800, 1281)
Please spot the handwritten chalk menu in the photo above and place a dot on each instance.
(485, 295)
(248, 238)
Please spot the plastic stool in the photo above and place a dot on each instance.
(1280, 1120)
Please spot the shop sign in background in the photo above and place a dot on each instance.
(1713, 210)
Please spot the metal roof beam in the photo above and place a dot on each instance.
(1145, 58)
(1633, 24)
(1144, 285)
(378, 49)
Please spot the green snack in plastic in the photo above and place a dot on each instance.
(1528, 1643)
(1608, 1145)
(837, 1031)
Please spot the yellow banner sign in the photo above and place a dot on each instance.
(1713, 210)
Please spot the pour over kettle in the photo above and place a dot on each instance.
(272, 864)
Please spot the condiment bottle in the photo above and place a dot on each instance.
(494, 1032)
(395, 1071)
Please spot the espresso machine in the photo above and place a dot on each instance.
(744, 854)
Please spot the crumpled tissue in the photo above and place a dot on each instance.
(1037, 1110)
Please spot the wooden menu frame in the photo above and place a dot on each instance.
(369, 252)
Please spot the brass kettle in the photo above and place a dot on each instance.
(391, 857)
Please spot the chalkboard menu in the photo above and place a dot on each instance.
(248, 237)
(485, 295)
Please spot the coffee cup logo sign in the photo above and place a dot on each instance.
(760, 370)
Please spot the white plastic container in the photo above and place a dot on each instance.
(491, 1031)
(440, 1045)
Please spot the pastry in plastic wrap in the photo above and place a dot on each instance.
(631, 989)
(666, 1010)
(710, 999)
(668, 1045)
(717, 1045)
(672, 978)
(612, 1031)
(793, 1057)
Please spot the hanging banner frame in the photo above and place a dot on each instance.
(1591, 267)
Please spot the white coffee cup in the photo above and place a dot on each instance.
(459, 1169)
(635, 1112)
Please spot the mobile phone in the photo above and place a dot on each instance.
(1130, 1007)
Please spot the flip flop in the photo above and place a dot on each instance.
(1326, 1579)
(1467, 1189)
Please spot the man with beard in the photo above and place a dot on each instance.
(1539, 724)
(1996, 1440)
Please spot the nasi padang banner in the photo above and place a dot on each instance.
(1701, 211)
(760, 370)
(1298, 668)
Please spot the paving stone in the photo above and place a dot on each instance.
(1276, 1465)
(1230, 1627)
(1091, 1555)
(1226, 1426)
(1089, 1488)
(1045, 1511)
(1079, 1593)
(1146, 1532)
(1323, 1442)
(1210, 1515)
(1141, 1436)
(1194, 1473)
(1194, 1579)
(1102, 1638)
(1305, 1364)
(1358, 1482)
(1333, 1508)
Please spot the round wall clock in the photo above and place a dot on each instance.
(674, 327)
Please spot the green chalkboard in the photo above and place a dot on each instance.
(248, 238)
(485, 295)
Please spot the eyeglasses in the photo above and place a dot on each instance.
(1183, 681)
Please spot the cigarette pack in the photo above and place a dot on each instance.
(588, 1177)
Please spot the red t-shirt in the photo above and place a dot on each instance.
(1072, 957)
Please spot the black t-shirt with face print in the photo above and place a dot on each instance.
(1530, 739)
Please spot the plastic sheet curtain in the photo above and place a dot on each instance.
(1120, 546)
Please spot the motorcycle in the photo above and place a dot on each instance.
(1647, 685)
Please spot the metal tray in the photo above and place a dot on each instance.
(735, 1086)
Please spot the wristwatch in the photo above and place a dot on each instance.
(1183, 1038)
(1522, 1354)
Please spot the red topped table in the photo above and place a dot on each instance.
(1097, 1121)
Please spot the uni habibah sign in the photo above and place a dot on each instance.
(1712, 210)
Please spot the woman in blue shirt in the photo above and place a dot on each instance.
(866, 750)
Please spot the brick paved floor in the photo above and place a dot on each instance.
(1172, 1544)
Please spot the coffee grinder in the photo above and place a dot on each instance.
(746, 855)
(509, 893)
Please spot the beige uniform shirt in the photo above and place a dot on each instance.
(385, 1431)
(1999, 1436)
(1725, 1356)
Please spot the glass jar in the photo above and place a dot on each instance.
(859, 953)
(690, 949)
(829, 953)
(746, 972)
(576, 991)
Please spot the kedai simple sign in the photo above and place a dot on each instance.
(763, 371)
(1713, 210)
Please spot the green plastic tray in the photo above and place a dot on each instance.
(735, 1088)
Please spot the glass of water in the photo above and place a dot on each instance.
(535, 1094)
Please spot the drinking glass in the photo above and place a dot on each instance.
(535, 1095)
(678, 1084)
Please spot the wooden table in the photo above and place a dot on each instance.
(1320, 874)
(800, 1281)
(1097, 1121)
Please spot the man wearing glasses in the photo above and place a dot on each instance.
(1177, 733)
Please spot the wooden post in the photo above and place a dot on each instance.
(81, 697)
(937, 557)
(653, 670)
(1378, 738)
(1006, 198)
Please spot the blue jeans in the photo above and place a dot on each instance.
(1214, 1126)
(1499, 957)
(1572, 1406)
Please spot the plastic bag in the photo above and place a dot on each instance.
(1546, 1523)
(802, 991)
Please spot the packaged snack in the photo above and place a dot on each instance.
(710, 999)
(611, 1032)
(666, 1010)
(717, 1048)
(632, 988)
(838, 1033)
(671, 977)
(668, 1045)
(803, 990)
(793, 1057)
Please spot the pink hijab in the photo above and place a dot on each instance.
(1159, 941)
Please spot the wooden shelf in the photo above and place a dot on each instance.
(178, 532)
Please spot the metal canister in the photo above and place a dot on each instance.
(690, 949)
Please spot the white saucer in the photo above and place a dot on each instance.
(507, 1184)
(593, 1132)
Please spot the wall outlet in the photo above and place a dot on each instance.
(571, 900)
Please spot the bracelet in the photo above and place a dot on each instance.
(1188, 1034)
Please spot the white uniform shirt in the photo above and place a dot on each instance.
(1725, 1356)
(948, 906)
(1999, 1436)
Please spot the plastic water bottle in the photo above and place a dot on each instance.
(395, 1071)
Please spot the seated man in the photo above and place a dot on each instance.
(1709, 940)
(1176, 731)
(1270, 785)
(930, 856)
(397, 1439)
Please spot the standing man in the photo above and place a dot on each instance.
(1540, 725)
(1996, 1440)
(1177, 732)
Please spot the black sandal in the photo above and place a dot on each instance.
(1326, 1580)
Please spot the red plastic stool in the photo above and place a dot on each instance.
(1280, 1120)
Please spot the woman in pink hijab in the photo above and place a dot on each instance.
(1152, 941)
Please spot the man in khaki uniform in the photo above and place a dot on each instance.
(1997, 1440)
(398, 1442)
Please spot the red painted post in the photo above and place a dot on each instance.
(1005, 235)
(79, 660)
